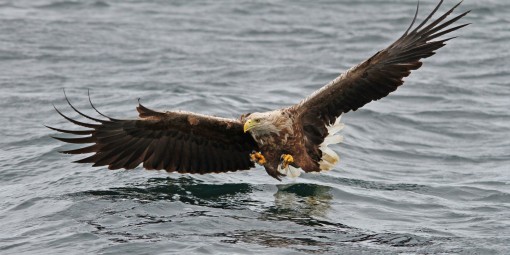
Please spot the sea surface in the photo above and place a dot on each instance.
(425, 170)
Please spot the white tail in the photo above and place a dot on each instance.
(329, 157)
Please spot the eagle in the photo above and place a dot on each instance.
(285, 141)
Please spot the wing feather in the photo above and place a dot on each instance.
(374, 78)
(174, 141)
(382, 73)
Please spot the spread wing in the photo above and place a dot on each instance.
(174, 141)
(373, 79)
(381, 74)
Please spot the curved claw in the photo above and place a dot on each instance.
(258, 158)
(287, 159)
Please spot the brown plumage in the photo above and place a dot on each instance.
(289, 140)
(174, 141)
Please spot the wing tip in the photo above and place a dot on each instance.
(95, 109)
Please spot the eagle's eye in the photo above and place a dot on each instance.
(257, 120)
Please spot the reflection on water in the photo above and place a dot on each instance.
(296, 217)
(300, 200)
(297, 204)
(290, 200)
(184, 189)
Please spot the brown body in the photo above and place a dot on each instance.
(283, 134)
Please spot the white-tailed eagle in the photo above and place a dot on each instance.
(284, 141)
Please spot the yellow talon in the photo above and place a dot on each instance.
(258, 158)
(287, 160)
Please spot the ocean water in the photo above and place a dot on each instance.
(424, 171)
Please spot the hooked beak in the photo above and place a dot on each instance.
(249, 124)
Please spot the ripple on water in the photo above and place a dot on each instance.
(422, 171)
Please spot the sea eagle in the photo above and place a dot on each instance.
(284, 141)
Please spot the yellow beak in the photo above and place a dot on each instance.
(249, 124)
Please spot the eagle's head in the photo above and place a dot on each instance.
(261, 122)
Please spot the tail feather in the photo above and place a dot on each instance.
(329, 157)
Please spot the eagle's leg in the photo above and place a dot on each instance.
(258, 158)
(287, 159)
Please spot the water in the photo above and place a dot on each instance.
(426, 170)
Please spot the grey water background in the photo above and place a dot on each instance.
(425, 170)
